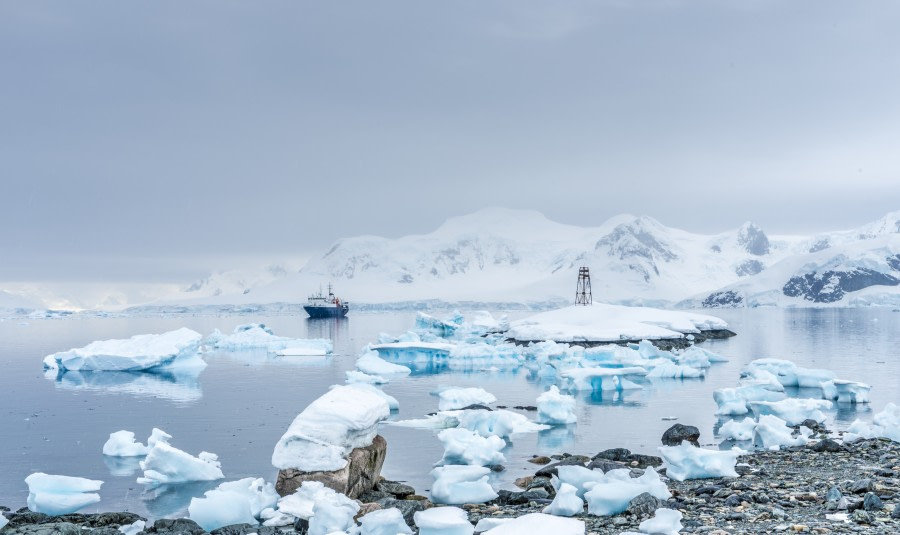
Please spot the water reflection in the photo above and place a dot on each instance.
(335, 329)
(181, 387)
(122, 466)
(171, 501)
(556, 438)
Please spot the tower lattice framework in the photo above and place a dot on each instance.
(583, 289)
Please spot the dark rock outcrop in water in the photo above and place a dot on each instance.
(830, 286)
(679, 433)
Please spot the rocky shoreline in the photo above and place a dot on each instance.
(826, 487)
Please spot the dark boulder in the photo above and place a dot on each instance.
(178, 526)
(644, 505)
(678, 433)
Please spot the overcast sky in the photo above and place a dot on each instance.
(160, 139)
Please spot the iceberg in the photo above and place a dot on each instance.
(885, 424)
(457, 484)
(458, 398)
(613, 496)
(555, 408)
(579, 477)
(789, 374)
(443, 521)
(501, 423)
(772, 433)
(384, 522)
(369, 363)
(462, 446)
(258, 336)
(792, 410)
(735, 401)
(600, 379)
(323, 435)
(690, 462)
(738, 430)
(846, 391)
(235, 502)
(539, 523)
(60, 495)
(166, 464)
(123, 444)
(354, 376)
(566, 502)
(174, 349)
(670, 370)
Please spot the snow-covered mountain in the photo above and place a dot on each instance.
(507, 256)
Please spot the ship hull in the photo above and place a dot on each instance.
(326, 312)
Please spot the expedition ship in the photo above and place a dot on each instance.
(330, 306)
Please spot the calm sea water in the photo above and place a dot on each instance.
(241, 404)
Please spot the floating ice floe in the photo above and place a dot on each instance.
(458, 484)
(539, 523)
(384, 522)
(458, 398)
(793, 410)
(772, 433)
(735, 401)
(321, 437)
(670, 370)
(612, 496)
(354, 376)
(172, 350)
(846, 391)
(789, 374)
(234, 502)
(166, 464)
(690, 462)
(885, 424)
(555, 408)
(501, 423)
(600, 379)
(698, 357)
(462, 446)
(258, 336)
(371, 364)
(566, 502)
(123, 444)
(60, 495)
(443, 521)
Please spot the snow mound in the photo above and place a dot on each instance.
(174, 349)
(60, 495)
(321, 437)
(689, 462)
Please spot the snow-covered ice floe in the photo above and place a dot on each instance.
(171, 350)
(690, 462)
(443, 521)
(123, 444)
(539, 523)
(885, 424)
(234, 502)
(321, 437)
(612, 495)
(458, 484)
(462, 446)
(166, 464)
(555, 408)
(602, 322)
(458, 398)
(793, 410)
(501, 423)
(60, 495)
(257, 336)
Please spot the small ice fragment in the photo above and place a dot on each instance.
(443, 521)
(566, 502)
(60, 495)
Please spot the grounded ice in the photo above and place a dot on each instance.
(566, 502)
(772, 433)
(167, 464)
(555, 408)
(789, 374)
(369, 363)
(458, 484)
(258, 336)
(738, 430)
(458, 398)
(60, 495)
(689, 462)
(235, 502)
(734, 401)
(664, 522)
(885, 424)
(793, 410)
(462, 446)
(501, 423)
(579, 477)
(175, 349)
(384, 522)
(846, 391)
(612, 496)
(123, 444)
(539, 523)
(333, 515)
(670, 370)
(321, 437)
(300, 504)
(443, 521)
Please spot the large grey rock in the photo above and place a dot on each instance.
(862, 486)
(244, 529)
(50, 528)
(551, 469)
(678, 433)
(644, 505)
(871, 502)
(395, 487)
(178, 526)
(358, 476)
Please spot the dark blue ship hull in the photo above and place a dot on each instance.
(326, 312)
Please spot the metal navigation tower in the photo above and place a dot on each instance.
(583, 289)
